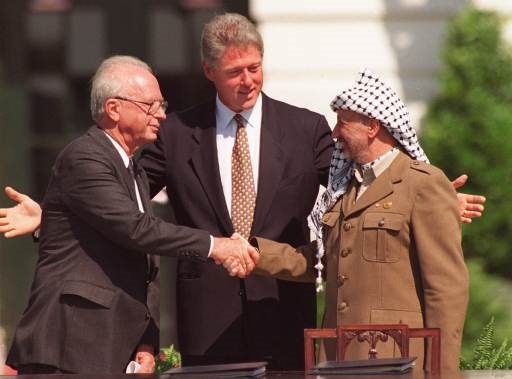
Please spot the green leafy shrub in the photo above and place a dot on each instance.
(489, 297)
(168, 358)
(468, 128)
(486, 356)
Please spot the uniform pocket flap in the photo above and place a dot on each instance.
(330, 218)
(99, 295)
(383, 220)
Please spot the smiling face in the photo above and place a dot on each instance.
(237, 76)
(353, 130)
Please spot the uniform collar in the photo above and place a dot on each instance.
(368, 172)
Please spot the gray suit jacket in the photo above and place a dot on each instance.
(94, 297)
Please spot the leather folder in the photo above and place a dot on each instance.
(365, 366)
(231, 370)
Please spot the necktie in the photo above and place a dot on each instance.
(132, 170)
(243, 194)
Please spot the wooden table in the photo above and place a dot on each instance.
(483, 374)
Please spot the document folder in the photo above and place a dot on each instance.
(366, 366)
(231, 370)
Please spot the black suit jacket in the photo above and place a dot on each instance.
(94, 297)
(296, 148)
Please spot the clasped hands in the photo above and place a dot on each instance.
(236, 255)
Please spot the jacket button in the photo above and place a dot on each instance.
(240, 293)
(347, 226)
(342, 279)
(343, 306)
(346, 252)
(381, 222)
(148, 316)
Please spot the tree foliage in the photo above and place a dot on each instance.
(468, 128)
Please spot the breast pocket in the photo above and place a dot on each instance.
(380, 236)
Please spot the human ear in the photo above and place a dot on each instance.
(112, 109)
(208, 71)
(374, 127)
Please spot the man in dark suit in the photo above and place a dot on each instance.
(290, 148)
(94, 299)
(222, 319)
(194, 156)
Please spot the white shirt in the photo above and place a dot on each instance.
(126, 161)
(226, 133)
(365, 177)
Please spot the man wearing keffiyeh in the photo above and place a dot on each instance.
(25, 216)
(387, 227)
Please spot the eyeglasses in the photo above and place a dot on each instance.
(154, 107)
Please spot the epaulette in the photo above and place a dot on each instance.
(422, 166)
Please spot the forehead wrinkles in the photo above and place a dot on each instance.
(351, 116)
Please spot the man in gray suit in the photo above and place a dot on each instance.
(94, 300)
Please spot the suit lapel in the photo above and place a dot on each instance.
(142, 181)
(381, 187)
(271, 163)
(99, 136)
(349, 197)
(204, 162)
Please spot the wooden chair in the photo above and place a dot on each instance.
(372, 334)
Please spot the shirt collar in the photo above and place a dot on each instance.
(225, 115)
(120, 150)
(367, 172)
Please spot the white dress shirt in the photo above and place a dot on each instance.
(366, 175)
(226, 133)
(126, 161)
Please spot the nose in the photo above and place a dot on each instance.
(246, 78)
(160, 115)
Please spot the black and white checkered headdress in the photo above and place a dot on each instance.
(372, 98)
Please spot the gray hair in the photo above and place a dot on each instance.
(106, 83)
(224, 30)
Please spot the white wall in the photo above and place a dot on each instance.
(313, 49)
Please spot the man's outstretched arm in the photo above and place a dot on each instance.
(470, 206)
(23, 218)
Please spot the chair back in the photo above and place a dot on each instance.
(372, 334)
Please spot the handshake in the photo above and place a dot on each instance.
(236, 255)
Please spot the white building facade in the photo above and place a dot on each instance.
(313, 49)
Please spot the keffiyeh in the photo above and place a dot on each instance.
(372, 98)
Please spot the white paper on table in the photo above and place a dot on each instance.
(132, 368)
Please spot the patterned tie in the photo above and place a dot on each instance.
(243, 194)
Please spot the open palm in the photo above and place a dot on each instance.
(23, 218)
